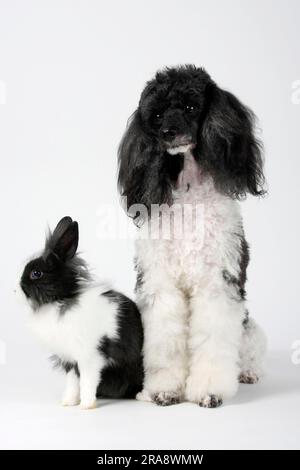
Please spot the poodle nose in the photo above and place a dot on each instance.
(169, 132)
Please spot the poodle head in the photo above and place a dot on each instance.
(182, 109)
(171, 107)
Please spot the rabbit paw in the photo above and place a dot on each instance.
(88, 404)
(70, 401)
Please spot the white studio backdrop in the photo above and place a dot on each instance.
(71, 73)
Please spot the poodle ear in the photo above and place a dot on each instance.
(228, 146)
(142, 172)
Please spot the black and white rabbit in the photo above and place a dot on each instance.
(95, 333)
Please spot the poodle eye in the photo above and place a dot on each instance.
(35, 274)
(157, 116)
(189, 108)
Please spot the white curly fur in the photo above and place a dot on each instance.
(196, 345)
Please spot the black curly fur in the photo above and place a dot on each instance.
(220, 127)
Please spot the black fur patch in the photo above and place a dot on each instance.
(240, 281)
(139, 276)
(124, 374)
(246, 319)
(65, 365)
(244, 261)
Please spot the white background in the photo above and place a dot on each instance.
(71, 73)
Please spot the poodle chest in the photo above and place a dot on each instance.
(202, 236)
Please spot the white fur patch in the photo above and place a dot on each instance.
(179, 149)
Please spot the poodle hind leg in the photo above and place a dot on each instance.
(252, 353)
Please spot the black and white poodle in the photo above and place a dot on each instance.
(190, 145)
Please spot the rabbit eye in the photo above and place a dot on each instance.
(35, 274)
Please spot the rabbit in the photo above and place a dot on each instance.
(95, 333)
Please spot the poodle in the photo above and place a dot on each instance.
(188, 156)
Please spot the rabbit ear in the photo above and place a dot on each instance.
(64, 240)
(61, 227)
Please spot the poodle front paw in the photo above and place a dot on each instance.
(211, 401)
(166, 398)
(207, 383)
(248, 378)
